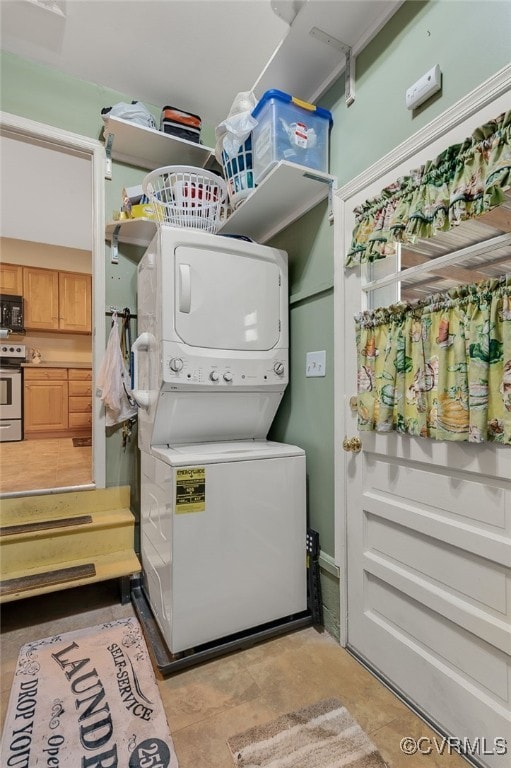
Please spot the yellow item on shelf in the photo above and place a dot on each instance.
(144, 210)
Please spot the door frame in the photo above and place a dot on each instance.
(65, 140)
(429, 139)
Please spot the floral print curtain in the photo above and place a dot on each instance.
(463, 182)
(440, 367)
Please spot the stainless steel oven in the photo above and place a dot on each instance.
(11, 391)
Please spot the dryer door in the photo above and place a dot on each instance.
(225, 300)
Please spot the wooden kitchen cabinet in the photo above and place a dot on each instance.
(11, 279)
(75, 302)
(41, 299)
(46, 402)
(80, 399)
(58, 402)
(57, 301)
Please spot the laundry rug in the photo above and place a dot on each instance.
(322, 735)
(87, 699)
(81, 442)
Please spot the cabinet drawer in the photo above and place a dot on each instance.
(80, 405)
(80, 374)
(80, 420)
(80, 388)
(45, 374)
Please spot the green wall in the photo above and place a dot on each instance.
(469, 40)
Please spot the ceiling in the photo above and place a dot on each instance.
(192, 54)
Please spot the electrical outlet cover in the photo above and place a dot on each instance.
(424, 88)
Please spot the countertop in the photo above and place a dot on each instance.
(55, 364)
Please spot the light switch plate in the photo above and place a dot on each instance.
(315, 363)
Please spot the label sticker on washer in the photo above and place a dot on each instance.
(190, 490)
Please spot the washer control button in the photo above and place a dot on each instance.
(214, 376)
(227, 376)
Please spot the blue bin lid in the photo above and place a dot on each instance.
(287, 99)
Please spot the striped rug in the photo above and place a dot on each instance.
(322, 735)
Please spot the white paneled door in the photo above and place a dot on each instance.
(426, 530)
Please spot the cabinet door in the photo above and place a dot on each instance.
(75, 292)
(46, 406)
(11, 279)
(41, 294)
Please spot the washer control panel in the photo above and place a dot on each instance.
(212, 372)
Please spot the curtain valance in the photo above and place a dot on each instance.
(440, 367)
(463, 182)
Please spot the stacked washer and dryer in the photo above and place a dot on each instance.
(223, 517)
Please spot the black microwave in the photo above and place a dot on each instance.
(11, 313)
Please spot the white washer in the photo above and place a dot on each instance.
(223, 537)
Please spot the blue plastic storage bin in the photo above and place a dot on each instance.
(289, 129)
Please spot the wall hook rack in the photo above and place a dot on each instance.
(126, 311)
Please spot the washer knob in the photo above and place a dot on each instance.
(214, 376)
(228, 376)
(279, 368)
(175, 364)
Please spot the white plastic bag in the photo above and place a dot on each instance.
(113, 381)
(136, 112)
(232, 133)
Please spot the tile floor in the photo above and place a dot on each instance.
(208, 703)
(39, 464)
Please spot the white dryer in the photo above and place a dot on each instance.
(211, 358)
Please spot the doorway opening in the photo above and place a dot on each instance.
(55, 236)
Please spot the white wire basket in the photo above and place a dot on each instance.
(184, 196)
